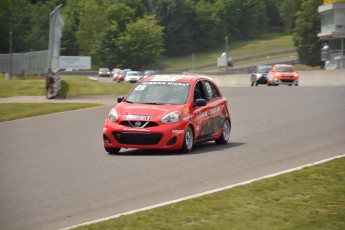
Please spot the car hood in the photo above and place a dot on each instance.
(126, 110)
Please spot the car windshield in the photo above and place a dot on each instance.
(264, 69)
(166, 92)
(286, 69)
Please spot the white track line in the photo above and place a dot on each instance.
(201, 194)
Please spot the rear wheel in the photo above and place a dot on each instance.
(188, 141)
(112, 150)
(224, 138)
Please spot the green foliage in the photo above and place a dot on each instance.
(103, 29)
(141, 44)
(305, 34)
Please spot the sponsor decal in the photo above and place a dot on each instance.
(165, 82)
(130, 117)
(177, 131)
(137, 130)
(140, 87)
(209, 112)
(166, 77)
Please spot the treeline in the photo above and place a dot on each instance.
(135, 33)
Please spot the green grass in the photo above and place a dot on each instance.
(13, 111)
(19, 87)
(266, 43)
(82, 85)
(308, 199)
(71, 85)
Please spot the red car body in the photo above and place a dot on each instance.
(282, 74)
(170, 112)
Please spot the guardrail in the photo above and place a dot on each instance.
(53, 84)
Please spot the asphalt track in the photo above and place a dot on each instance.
(55, 173)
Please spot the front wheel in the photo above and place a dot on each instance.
(112, 150)
(188, 140)
(224, 138)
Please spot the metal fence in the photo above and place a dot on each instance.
(25, 63)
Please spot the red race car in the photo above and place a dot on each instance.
(170, 112)
(282, 74)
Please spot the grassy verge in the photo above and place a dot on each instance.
(71, 85)
(13, 111)
(82, 85)
(311, 198)
(264, 44)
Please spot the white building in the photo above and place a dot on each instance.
(333, 33)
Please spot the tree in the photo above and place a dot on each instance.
(305, 38)
(92, 25)
(177, 18)
(141, 44)
(253, 20)
(69, 42)
(118, 15)
(288, 10)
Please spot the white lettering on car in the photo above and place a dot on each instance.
(209, 112)
(177, 131)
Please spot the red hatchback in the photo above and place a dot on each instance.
(282, 74)
(171, 112)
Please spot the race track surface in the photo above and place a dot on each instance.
(55, 173)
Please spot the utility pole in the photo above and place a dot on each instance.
(226, 55)
(11, 55)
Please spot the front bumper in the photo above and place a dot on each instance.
(166, 136)
(285, 81)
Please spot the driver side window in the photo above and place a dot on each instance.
(198, 91)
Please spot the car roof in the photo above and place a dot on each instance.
(276, 65)
(176, 78)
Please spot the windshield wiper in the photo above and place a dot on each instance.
(154, 103)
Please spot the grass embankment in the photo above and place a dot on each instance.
(13, 111)
(266, 43)
(311, 198)
(71, 85)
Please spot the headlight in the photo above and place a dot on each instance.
(113, 116)
(259, 75)
(172, 117)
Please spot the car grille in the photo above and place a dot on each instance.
(139, 124)
(137, 138)
(287, 80)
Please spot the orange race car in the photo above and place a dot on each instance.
(282, 74)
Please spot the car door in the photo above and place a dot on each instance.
(216, 109)
(208, 122)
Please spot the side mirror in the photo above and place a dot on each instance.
(120, 99)
(200, 102)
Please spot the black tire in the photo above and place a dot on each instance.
(188, 140)
(226, 130)
(112, 150)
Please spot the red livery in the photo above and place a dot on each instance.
(171, 112)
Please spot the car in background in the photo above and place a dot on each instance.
(104, 72)
(169, 112)
(133, 76)
(282, 74)
(259, 75)
(113, 71)
(115, 74)
(149, 73)
(120, 76)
